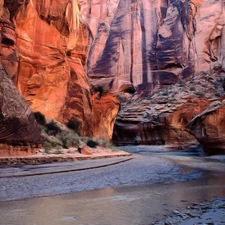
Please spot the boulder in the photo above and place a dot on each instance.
(19, 132)
(85, 150)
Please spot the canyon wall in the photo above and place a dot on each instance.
(105, 111)
(53, 46)
(150, 44)
(19, 132)
(57, 52)
(180, 116)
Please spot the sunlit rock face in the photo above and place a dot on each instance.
(19, 132)
(8, 49)
(105, 110)
(152, 43)
(53, 45)
(208, 128)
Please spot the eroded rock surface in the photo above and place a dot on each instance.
(105, 110)
(162, 117)
(53, 48)
(208, 128)
(19, 132)
(152, 43)
(130, 47)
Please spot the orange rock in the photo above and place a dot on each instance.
(105, 110)
(8, 49)
(19, 132)
(177, 121)
(85, 150)
(208, 128)
(53, 48)
(162, 117)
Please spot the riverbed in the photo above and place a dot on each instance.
(139, 191)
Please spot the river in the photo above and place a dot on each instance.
(139, 191)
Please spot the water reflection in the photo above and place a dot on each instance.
(132, 205)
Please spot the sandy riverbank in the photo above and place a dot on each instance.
(64, 155)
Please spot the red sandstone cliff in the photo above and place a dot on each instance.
(152, 43)
(53, 45)
(164, 117)
(19, 132)
(209, 128)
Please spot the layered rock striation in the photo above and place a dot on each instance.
(163, 116)
(19, 132)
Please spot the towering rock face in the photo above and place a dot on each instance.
(123, 46)
(53, 47)
(19, 132)
(152, 43)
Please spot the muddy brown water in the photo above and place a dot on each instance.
(139, 205)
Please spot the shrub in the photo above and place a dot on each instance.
(192, 89)
(40, 118)
(52, 128)
(47, 146)
(91, 143)
(74, 124)
(58, 151)
(68, 139)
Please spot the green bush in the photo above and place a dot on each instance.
(40, 118)
(47, 146)
(58, 151)
(91, 143)
(75, 125)
(52, 128)
(164, 94)
(68, 139)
